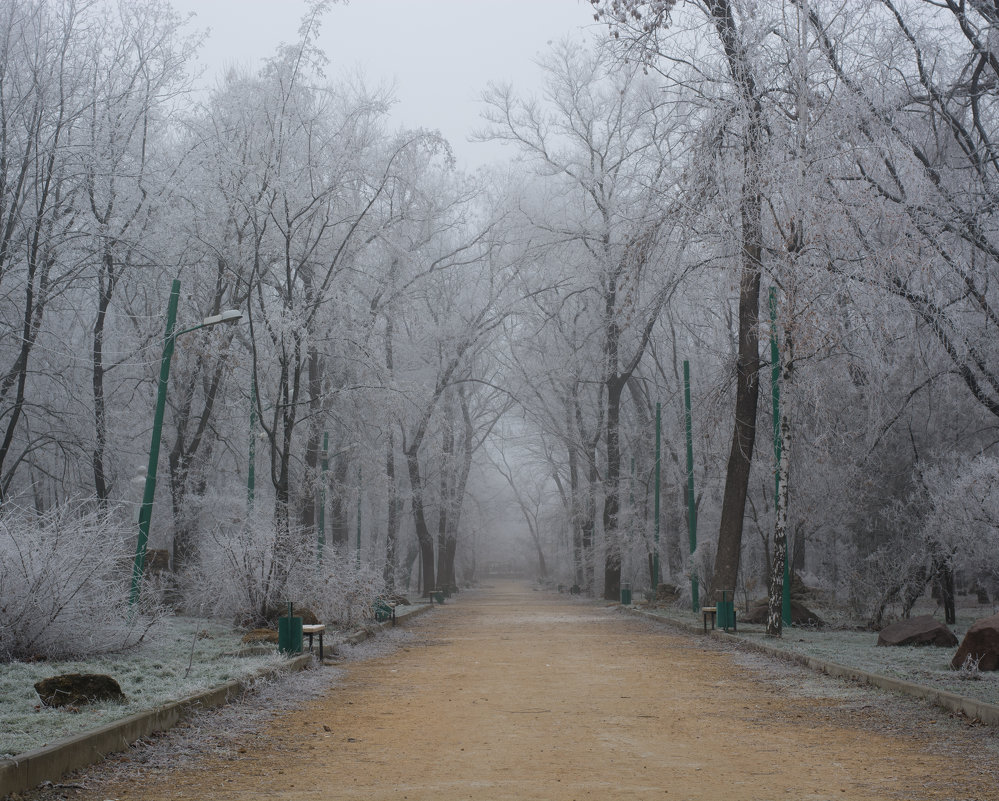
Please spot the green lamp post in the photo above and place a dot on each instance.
(169, 339)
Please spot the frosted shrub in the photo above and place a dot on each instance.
(65, 580)
(248, 574)
(969, 669)
(338, 591)
(242, 573)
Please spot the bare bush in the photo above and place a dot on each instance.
(64, 585)
(247, 574)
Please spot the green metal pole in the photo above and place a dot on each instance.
(324, 466)
(252, 466)
(775, 393)
(146, 511)
(655, 554)
(691, 507)
(358, 516)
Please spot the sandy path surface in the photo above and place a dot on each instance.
(513, 694)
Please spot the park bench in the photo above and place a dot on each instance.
(384, 610)
(711, 612)
(311, 630)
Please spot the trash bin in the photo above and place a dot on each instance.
(290, 634)
(726, 610)
(626, 594)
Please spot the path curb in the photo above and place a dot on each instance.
(974, 709)
(51, 762)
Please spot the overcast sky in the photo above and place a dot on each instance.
(440, 54)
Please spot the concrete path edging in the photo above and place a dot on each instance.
(974, 709)
(50, 763)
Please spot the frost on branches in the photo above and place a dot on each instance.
(644, 16)
(248, 574)
(64, 585)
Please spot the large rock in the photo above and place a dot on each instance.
(981, 644)
(922, 630)
(261, 635)
(801, 615)
(73, 689)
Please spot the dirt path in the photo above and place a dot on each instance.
(513, 694)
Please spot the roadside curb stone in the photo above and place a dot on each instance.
(31, 768)
(975, 710)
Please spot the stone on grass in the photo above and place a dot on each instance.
(921, 630)
(261, 635)
(801, 615)
(980, 645)
(667, 593)
(73, 689)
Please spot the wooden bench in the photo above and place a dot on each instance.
(712, 612)
(311, 630)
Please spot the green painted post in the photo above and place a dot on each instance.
(775, 394)
(655, 555)
(146, 511)
(691, 507)
(358, 517)
(323, 467)
(251, 470)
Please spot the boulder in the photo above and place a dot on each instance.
(922, 630)
(980, 644)
(261, 635)
(667, 594)
(801, 615)
(73, 689)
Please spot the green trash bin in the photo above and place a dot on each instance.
(626, 594)
(726, 610)
(290, 634)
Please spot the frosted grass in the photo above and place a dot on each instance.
(153, 673)
(926, 665)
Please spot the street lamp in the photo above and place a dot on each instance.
(146, 510)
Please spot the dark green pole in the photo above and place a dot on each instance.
(323, 467)
(655, 554)
(252, 467)
(775, 393)
(146, 511)
(358, 516)
(691, 507)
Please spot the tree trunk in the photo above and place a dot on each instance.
(740, 460)
(612, 491)
(423, 535)
(106, 284)
(339, 503)
(311, 480)
(445, 505)
(775, 597)
(392, 491)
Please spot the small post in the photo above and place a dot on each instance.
(691, 505)
(252, 466)
(359, 517)
(655, 555)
